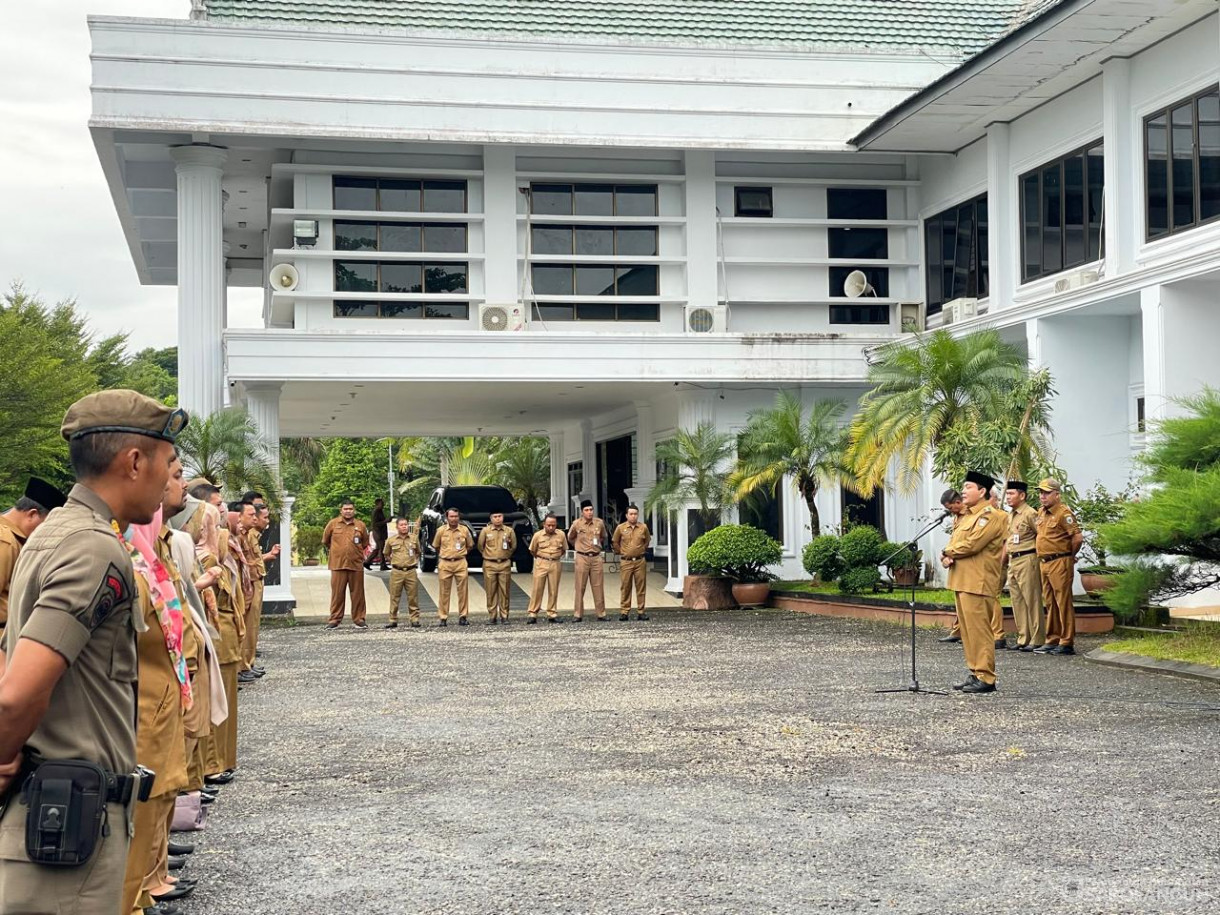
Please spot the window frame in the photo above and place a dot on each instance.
(1166, 111)
(422, 263)
(1038, 171)
(421, 182)
(981, 261)
(614, 185)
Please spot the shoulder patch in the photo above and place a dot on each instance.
(111, 593)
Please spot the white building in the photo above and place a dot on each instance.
(668, 207)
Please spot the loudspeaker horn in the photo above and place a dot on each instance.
(284, 278)
(857, 285)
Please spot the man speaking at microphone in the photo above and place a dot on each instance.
(973, 553)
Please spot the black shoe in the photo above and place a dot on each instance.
(222, 779)
(258, 672)
(578, 619)
(361, 625)
(603, 619)
(960, 686)
(978, 686)
(209, 792)
(504, 622)
(442, 622)
(178, 892)
(367, 566)
(555, 619)
(164, 908)
(331, 627)
(641, 616)
(390, 626)
(493, 621)
(949, 638)
(623, 617)
(258, 653)
(1001, 645)
(177, 862)
(531, 621)
(179, 849)
(462, 621)
(385, 568)
(1026, 648)
(415, 625)
(1063, 649)
(246, 676)
(1048, 648)
(186, 881)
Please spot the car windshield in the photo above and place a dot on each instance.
(480, 500)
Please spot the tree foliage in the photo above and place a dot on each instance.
(693, 465)
(353, 468)
(226, 448)
(737, 551)
(523, 467)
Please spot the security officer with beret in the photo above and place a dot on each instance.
(973, 553)
(1058, 542)
(67, 699)
(16, 525)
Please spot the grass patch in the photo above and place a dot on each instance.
(1198, 644)
(941, 596)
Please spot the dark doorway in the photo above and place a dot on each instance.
(614, 477)
(859, 510)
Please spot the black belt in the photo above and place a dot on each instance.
(1053, 557)
(587, 554)
(120, 789)
(1022, 553)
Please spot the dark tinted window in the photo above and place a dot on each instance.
(641, 280)
(593, 200)
(594, 280)
(1061, 213)
(399, 196)
(1182, 164)
(402, 278)
(355, 276)
(955, 244)
(859, 314)
(355, 309)
(551, 239)
(856, 203)
(635, 200)
(401, 236)
(402, 310)
(594, 240)
(355, 193)
(479, 499)
(638, 241)
(355, 236)
(858, 243)
(444, 197)
(457, 311)
(552, 279)
(445, 278)
(551, 199)
(445, 236)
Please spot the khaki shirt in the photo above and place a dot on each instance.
(11, 540)
(1056, 527)
(975, 548)
(548, 546)
(453, 543)
(254, 550)
(160, 737)
(74, 592)
(497, 544)
(1022, 530)
(589, 536)
(403, 552)
(345, 542)
(631, 540)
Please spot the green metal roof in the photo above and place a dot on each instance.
(959, 26)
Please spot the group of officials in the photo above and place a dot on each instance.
(1039, 548)
(129, 611)
(347, 540)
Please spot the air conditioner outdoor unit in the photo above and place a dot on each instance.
(502, 317)
(1075, 280)
(958, 310)
(706, 319)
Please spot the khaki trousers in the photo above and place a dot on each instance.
(150, 828)
(546, 581)
(997, 618)
(978, 636)
(449, 573)
(1057, 595)
(224, 737)
(497, 574)
(1025, 587)
(95, 888)
(590, 570)
(254, 616)
(404, 579)
(341, 582)
(632, 575)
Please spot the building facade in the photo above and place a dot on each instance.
(543, 219)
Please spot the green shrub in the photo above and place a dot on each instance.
(861, 578)
(821, 557)
(900, 556)
(308, 543)
(736, 551)
(861, 547)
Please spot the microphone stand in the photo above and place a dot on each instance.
(913, 544)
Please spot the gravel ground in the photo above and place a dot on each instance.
(709, 763)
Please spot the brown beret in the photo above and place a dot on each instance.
(122, 411)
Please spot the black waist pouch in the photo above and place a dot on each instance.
(67, 811)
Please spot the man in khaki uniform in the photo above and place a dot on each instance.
(70, 688)
(452, 543)
(16, 525)
(588, 538)
(258, 571)
(1058, 541)
(973, 553)
(497, 544)
(951, 501)
(345, 539)
(402, 553)
(547, 546)
(631, 541)
(1024, 579)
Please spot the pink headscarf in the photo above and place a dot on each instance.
(161, 590)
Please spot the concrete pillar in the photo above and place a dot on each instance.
(500, 224)
(559, 476)
(645, 455)
(1152, 331)
(695, 406)
(701, 249)
(201, 294)
(263, 404)
(278, 598)
(1123, 217)
(588, 457)
(1003, 252)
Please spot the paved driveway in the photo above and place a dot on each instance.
(706, 762)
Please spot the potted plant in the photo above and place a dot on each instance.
(851, 560)
(309, 545)
(741, 554)
(903, 564)
(1099, 506)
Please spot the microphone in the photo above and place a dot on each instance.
(944, 513)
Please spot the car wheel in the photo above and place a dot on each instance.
(525, 566)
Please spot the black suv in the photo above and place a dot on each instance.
(476, 503)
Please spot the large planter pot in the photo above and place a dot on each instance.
(751, 593)
(311, 562)
(1096, 582)
(905, 578)
(702, 592)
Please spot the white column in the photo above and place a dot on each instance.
(201, 299)
(1152, 331)
(1123, 212)
(282, 593)
(701, 255)
(645, 458)
(263, 403)
(695, 406)
(559, 476)
(588, 457)
(1003, 252)
(500, 224)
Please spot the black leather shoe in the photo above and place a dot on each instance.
(206, 799)
(641, 616)
(1046, 649)
(442, 622)
(180, 848)
(623, 617)
(949, 638)
(578, 619)
(462, 621)
(390, 626)
(185, 881)
(164, 908)
(978, 686)
(178, 892)
(361, 625)
(258, 672)
(531, 621)
(415, 625)
(1063, 649)
(1026, 648)
(603, 619)
(222, 779)
(494, 621)
(960, 686)
(553, 619)
(176, 862)
(246, 676)
(504, 622)
(331, 627)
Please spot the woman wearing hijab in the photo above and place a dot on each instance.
(214, 553)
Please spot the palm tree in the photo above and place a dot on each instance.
(920, 392)
(693, 463)
(782, 441)
(523, 467)
(226, 448)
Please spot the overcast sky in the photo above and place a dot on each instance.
(61, 237)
